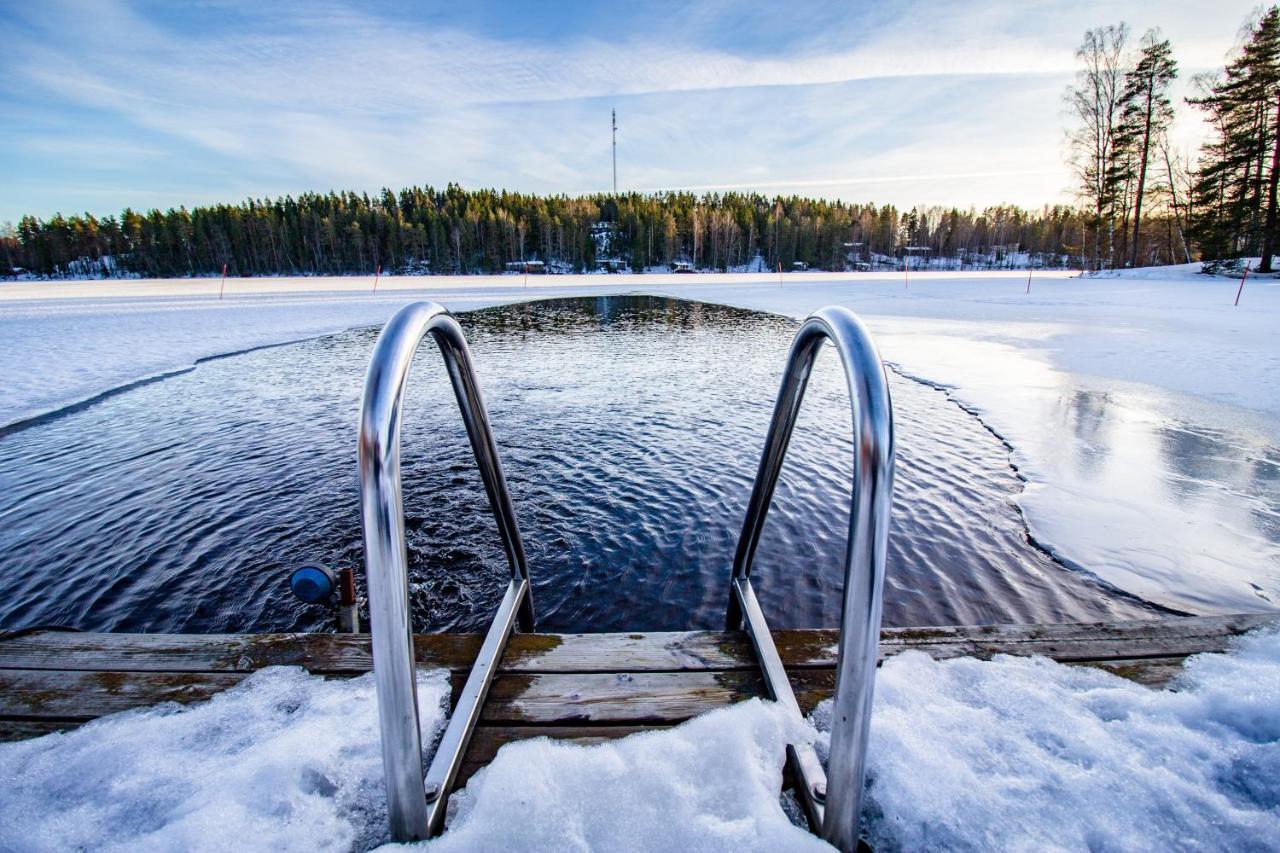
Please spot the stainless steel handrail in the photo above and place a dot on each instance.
(416, 807)
(832, 800)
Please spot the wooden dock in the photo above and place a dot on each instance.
(583, 687)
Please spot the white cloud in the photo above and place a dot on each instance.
(957, 95)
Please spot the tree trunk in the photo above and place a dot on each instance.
(1269, 229)
(1173, 196)
(1142, 176)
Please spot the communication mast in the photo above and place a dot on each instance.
(615, 151)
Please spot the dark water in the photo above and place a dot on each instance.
(630, 429)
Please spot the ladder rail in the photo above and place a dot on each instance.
(416, 806)
(832, 800)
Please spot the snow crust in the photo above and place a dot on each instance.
(285, 761)
(1028, 754)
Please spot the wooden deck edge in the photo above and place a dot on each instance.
(336, 654)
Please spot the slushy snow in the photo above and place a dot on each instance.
(711, 784)
(284, 761)
(1028, 754)
(1011, 754)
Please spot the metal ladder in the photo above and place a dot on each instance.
(416, 805)
(831, 800)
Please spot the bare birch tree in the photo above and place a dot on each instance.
(1095, 102)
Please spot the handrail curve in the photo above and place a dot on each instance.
(416, 806)
(832, 799)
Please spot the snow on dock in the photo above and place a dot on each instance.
(287, 748)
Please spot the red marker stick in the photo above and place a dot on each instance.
(1028, 279)
(376, 273)
(224, 282)
(1240, 289)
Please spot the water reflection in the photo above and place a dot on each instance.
(1086, 415)
(1172, 498)
(630, 429)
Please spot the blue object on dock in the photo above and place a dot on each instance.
(313, 583)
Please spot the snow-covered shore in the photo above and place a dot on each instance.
(1142, 409)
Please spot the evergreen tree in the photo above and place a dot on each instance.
(1235, 190)
(420, 229)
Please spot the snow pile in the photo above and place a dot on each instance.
(1027, 754)
(284, 761)
(1015, 753)
(710, 784)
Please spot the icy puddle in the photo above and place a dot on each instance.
(1015, 754)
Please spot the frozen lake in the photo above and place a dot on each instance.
(1142, 411)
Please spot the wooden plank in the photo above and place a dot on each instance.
(11, 730)
(1080, 641)
(1149, 672)
(515, 698)
(43, 694)
(619, 652)
(487, 740)
(652, 698)
(340, 654)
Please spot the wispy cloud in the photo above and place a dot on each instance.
(926, 99)
(853, 182)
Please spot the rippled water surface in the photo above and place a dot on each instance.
(630, 429)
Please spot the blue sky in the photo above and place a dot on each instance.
(114, 103)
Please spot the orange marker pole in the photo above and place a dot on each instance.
(1028, 279)
(376, 274)
(779, 273)
(1241, 287)
(224, 282)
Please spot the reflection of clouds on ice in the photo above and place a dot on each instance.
(1027, 754)
(284, 761)
(1172, 498)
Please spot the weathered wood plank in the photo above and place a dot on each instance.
(1080, 641)
(548, 680)
(631, 652)
(23, 729)
(516, 698)
(350, 654)
(45, 694)
(320, 653)
(647, 698)
(487, 740)
(1149, 672)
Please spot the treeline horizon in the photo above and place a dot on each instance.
(422, 230)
